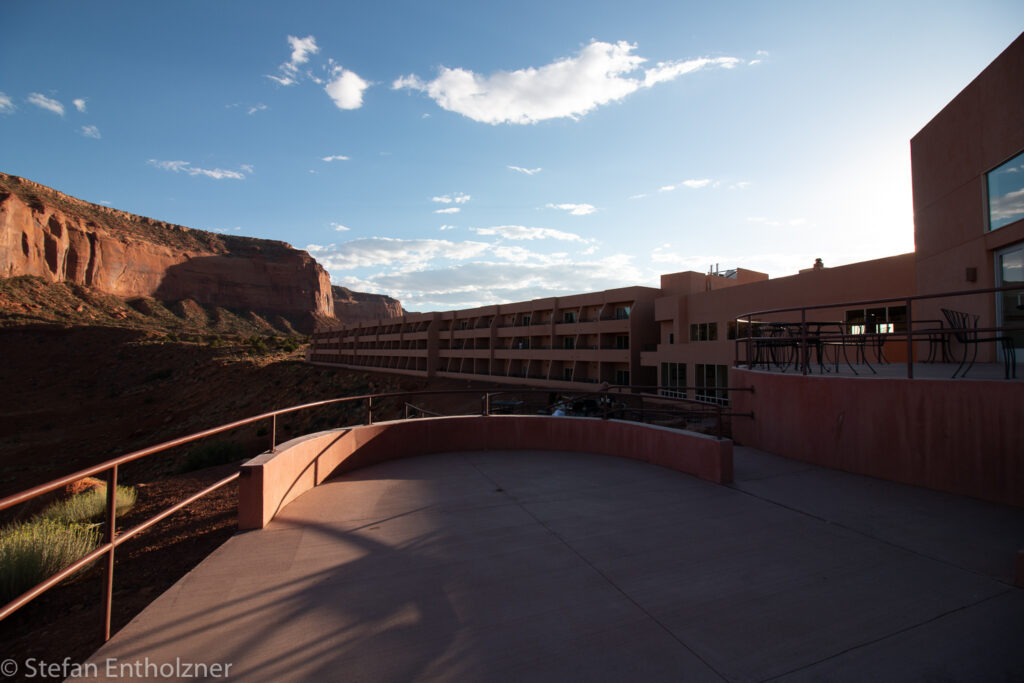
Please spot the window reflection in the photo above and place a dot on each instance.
(1006, 193)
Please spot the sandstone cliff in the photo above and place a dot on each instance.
(51, 235)
(353, 307)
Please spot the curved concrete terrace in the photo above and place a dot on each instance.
(538, 565)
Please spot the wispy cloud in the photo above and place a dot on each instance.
(575, 209)
(567, 88)
(511, 274)
(255, 108)
(521, 232)
(91, 132)
(666, 188)
(339, 227)
(697, 184)
(385, 251)
(334, 157)
(79, 104)
(446, 227)
(44, 102)
(450, 209)
(6, 105)
(186, 167)
(302, 48)
(456, 198)
(776, 222)
(527, 171)
(638, 196)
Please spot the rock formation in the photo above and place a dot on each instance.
(60, 238)
(352, 306)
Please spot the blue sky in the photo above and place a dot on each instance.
(454, 154)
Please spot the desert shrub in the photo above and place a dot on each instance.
(256, 345)
(211, 454)
(32, 551)
(89, 506)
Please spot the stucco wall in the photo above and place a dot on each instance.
(272, 480)
(956, 436)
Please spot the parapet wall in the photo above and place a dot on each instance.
(272, 480)
(959, 436)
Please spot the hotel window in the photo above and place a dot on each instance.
(569, 317)
(703, 331)
(711, 381)
(673, 380)
(740, 331)
(622, 377)
(1006, 193)
(882, 320)
(621, 312)
(569, 343)
(622, 341)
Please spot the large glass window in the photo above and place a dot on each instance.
(1006, 193)
(711, 381)
(1010, 305)
(673, 379)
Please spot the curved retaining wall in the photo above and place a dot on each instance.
(272, 480)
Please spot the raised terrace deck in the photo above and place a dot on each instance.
(532, 565)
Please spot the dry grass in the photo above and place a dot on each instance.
(34, 550)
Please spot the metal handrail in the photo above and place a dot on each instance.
(113, 539)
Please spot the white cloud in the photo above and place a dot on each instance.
(450, 209)
(334, 157)
(638, 196)
(302, 48)
(339, 227)
(697, 184)
(457, 198)
(447, 227)
(567, 88)
(517, 275)
(91, 132)
(520, 232)
(385, 251)
(666, 188)
(667, 71)
(346, 88)
(575, 209)
(255, 108)
(6, 105)
(186, 167)
(79, 104)
(527, 171)
(44, 102)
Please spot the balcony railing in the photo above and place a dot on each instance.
(800, 337)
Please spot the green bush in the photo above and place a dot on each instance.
(89, 506)
(211, 454)
(32, 551)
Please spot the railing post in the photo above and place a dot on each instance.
(108, 537)
(406, 410)
(273, 433)
(803, 338)
(487, 404)
(369, 410)
(910, 342)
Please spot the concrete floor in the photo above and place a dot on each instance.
(544, 566)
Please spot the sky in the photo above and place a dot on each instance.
(459, 154)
